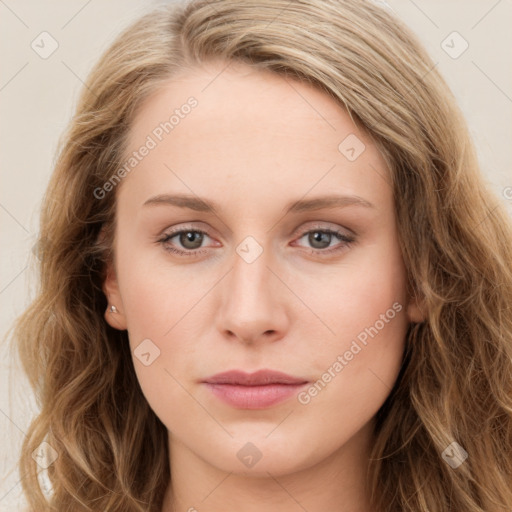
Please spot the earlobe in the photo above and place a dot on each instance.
(114, 315)
(115, 319)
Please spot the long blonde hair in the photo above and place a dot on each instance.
(455, 385)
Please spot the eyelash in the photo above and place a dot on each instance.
(347, 241)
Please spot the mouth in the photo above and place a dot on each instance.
(258, 390)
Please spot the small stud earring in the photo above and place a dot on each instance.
(113, 309)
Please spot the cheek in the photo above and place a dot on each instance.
(157, 294)
(159, 303)
(365, 307)
(368, 290)
(355, 371)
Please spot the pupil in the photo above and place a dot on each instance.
(189, 237)
(317, 237)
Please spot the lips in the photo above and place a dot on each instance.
(259, 378)
(257, 390)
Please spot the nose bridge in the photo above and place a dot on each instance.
(250, 277)
(250, 305)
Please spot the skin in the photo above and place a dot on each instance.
(255, 143)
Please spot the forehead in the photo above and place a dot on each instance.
(252, 130)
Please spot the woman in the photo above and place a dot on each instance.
(271, 276)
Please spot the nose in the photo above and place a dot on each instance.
(254, 302)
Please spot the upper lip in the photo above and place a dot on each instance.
(259, 378)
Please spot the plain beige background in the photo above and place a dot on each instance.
(37, 96)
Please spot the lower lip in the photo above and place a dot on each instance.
(254, 397)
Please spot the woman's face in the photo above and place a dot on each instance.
(256, 232)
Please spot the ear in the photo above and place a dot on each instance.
(110, 287)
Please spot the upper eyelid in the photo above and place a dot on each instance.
(319, 225)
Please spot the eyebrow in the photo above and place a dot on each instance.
(301, 205)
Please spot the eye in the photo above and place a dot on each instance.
(321, 239)
(190, 239)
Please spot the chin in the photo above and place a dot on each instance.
(260, 455)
